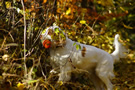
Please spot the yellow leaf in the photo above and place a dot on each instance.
(128, 27)
(83, 22)
(44, 1)
(128, 40)
(105, 2)
(43, 31)
(8, 5)
(61, 83)
(20, 86)
(131, 55)
(103, 45)
(68, 11)
(84, 10)
(124, 9)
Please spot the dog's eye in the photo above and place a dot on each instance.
(50, 32)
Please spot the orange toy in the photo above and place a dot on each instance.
(47, 43)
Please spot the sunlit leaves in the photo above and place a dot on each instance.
(56, 30)
(25, 0)
(105, 2)
(68, 11)
(78, 46)
(84, 10)
(123, 9)
(43, 31)
(44, 1)
(131, 17)
(20, 86)
(61, 83)
(82, 21)
(74, 44)
(8, 4)
(95, 25)
(128, 27)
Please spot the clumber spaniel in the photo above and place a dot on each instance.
(96, 61)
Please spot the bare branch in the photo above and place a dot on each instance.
(25, 73)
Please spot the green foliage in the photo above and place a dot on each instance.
(78, 47)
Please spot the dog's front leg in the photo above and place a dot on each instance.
(65, 72)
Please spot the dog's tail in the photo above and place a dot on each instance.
(119, 51)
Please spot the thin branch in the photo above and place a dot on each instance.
(8, 33)
(25, 72)
(42, 68)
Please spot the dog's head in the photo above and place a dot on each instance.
(53, 36)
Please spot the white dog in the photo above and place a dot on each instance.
(96, 61)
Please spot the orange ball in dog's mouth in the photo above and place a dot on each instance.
(47, 43)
